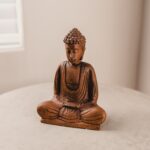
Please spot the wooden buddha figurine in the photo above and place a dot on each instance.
(75, 90)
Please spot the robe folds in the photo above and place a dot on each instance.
(84, 93)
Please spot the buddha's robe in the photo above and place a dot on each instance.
(84, 93)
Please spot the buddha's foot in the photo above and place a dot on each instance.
(77, 124)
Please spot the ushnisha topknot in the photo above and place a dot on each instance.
(75, 37)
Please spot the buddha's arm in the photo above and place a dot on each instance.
(93, 87)
(57, 83)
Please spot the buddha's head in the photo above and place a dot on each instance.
(75, 46)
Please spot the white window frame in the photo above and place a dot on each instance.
(12, 37)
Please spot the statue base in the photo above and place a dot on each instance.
(79, 124)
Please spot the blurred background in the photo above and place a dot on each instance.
(117, 33)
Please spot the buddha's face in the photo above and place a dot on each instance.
(74, 53)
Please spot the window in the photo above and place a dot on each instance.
(11, 30)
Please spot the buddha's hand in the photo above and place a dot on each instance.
(71, 104)
(86, 105)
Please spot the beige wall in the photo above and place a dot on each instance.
(112, 29)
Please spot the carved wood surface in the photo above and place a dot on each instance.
(75, 90)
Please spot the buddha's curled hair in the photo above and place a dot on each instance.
(75, 37)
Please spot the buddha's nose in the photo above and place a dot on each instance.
(71, 55)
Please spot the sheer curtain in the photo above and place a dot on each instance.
(10, 24)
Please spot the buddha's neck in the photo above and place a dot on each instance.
(73, 65)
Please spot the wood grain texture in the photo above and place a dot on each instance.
(75, 90)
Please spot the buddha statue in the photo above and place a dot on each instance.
(74, 103)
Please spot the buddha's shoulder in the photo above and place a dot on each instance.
(63, 63)
(87, 66)
(84, 64)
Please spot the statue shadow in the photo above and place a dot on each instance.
(113, 123)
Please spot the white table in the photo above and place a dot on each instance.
(126, 128)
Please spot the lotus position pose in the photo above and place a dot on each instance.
(75, 90)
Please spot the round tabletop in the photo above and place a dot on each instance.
(127, 126)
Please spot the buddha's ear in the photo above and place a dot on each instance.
(82, 55)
